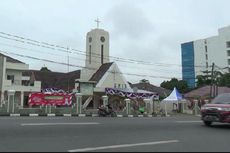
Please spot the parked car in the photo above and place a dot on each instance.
(217, 111)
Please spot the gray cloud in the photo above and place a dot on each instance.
(127, 20)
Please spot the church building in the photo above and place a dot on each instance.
(98, 70)
(99, 77)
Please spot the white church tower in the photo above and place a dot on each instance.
(97, 51)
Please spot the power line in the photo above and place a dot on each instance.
(61, 63)
(39, 51)
(65, 49)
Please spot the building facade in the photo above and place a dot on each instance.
(198, 56)
(12, 78)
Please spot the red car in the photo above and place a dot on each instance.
(217, 111)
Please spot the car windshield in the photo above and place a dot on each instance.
(222, 99)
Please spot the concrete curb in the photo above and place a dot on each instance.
(14, 114)
(67, 115)
(33, 115)
(78, 115)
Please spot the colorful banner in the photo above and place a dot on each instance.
(131, 95)
(54, 99)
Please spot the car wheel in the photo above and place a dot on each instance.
(208, 123)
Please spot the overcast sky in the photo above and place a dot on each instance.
(143, 30)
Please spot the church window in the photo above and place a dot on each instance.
(90, 39)
(102, 53)
(119, 86)
(228, 44)
(125, 86)
(228, 52)
(90, 54)
(115, 85)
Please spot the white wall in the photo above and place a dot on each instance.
(217, 51)
(96, 43)
(17, 76)
(199, 57)
(110, 79)
(94, 65)
(2, 61)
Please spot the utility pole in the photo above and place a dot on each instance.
(212, 77)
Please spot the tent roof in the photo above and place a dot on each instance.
(174, 96)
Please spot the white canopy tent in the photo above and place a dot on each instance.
(174, 97)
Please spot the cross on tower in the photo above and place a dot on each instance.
(98, 22)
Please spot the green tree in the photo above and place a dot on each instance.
(45, 69)
(181, 85)
(203, 80)
(144, 81)
(225, 80)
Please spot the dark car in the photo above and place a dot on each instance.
(217, 111)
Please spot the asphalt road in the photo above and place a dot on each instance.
(157, 134)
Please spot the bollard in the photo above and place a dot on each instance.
(182, 106)
(79, 103)
(195, 107)
(10, 106)
(128, 106)
(105, 100)
(50, 109)
(46, 111)
(147, 106)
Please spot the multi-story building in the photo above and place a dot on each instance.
(12, 78)
(198, 56)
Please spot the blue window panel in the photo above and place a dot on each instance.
(188, 69)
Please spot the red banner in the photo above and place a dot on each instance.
(54, 99)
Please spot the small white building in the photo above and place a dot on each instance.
(11, 78)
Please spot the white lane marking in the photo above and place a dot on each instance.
(123, 146)
(188, 121)
(45, 124)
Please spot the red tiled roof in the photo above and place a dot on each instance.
(205, 92)
(54, 79)
(149, 87)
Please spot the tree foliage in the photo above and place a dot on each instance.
(45, 69)
(218, 79)
(224, 80)
(181, 85)
(203, 80)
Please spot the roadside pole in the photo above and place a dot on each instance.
(128, 106)
(11, 99)
(105, 101)
(79, 103)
